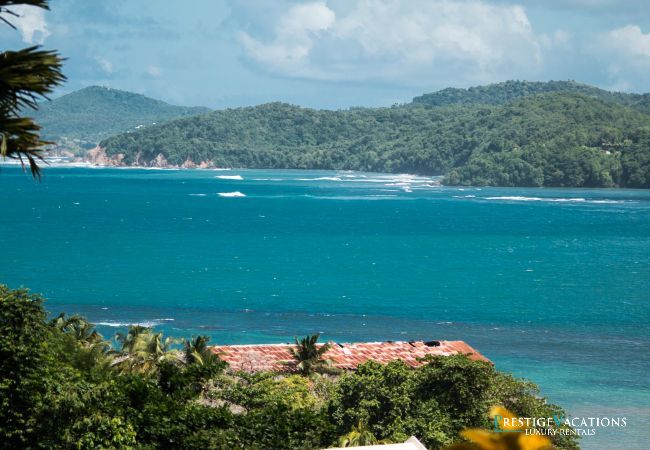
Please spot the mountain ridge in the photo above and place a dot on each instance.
(511, 134)
(504, 92)
(506, 134)
(93, 113)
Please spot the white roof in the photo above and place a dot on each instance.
(411, 444)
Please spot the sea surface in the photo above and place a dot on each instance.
(550, 284)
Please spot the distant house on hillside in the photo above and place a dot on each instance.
(347, 356)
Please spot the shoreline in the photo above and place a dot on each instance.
(172, 168)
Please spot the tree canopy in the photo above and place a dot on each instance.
(63, 386)
(94, 113)
(544, 138)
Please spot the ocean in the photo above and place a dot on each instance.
(551, 284)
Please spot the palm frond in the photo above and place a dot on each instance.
(5, 6)
(26, 76)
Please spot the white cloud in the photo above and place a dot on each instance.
(628, 42)
(154, 71)
(31, 23)
(104, 64)
(624, 54)
(559, 38)
(387, 39)
(294, 37)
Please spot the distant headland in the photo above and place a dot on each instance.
(515, 133)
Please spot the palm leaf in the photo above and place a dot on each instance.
(26, 76)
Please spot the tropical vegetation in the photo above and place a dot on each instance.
(86, 116)
(510, 134)
(25, 76)
(310, 357)
(62, 385)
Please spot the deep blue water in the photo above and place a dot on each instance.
(551, 284)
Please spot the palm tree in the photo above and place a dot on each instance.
(25, 76)
(143, 351)
(64, 322)
(196, 351)
(309, 355)
(95, 352)
(360, 435)
(128, 340)
(83, 331)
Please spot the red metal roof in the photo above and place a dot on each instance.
(277, 357)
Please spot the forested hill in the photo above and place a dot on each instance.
(94, 113)
(502, 93)
(546, 139)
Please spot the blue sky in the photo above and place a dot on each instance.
(337, 53)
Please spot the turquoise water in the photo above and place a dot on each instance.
(551, 284)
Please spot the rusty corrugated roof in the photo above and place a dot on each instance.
(277, 357)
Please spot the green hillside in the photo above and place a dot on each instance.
(549, 139)
(502, 93)
(94, 113)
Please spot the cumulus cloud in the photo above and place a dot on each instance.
(558, 39)
(624, 56)
(386, 39)
(294, 37)
(30, 22)
(629, 43)
(104, 64)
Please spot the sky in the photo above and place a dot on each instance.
(335, 53)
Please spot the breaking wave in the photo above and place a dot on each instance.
(321, 179)
(517, 198)
(144, 323)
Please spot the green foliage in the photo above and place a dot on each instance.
(360, 435)
(62, 386)
(196, 351)
(544, 135)
(24, 339)
(309, 355)
(95, 113)
(97, 431)
(143, 351)
(25, 76)
(502, 93)
(434, 402)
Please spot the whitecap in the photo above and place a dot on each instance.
(515, 198)
(229, 177)
(231, 194)
(321, 179)
(144, 323)
(553, 199)
(197, 195)
(580, 200)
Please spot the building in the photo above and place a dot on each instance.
(346, 356)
